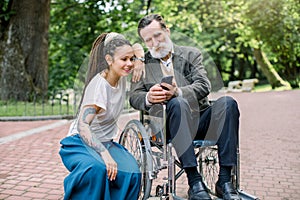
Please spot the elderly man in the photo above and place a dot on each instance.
(189, 114)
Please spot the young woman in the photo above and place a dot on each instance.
(101, 169)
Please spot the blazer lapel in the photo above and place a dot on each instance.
(178, 64)
(154, 69)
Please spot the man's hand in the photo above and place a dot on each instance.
(157, 94)
(171, 90)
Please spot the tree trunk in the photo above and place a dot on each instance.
(24, 50)
(267, 68)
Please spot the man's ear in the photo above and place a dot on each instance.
(108, 59)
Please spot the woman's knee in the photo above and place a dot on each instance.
(136, 178)
(94, 171)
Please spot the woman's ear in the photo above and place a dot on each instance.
(168, 31)
(108, 59)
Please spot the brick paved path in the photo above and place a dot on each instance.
(31, 169)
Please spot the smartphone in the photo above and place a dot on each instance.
(168, 80)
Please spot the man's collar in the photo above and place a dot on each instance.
(167, 57)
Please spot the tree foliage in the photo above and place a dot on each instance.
(228, 30)
(274, 25)
(231, 29)
(74, 27)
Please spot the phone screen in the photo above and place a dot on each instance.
(168, 80)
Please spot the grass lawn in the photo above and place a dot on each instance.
(13, 108)
(267, 87)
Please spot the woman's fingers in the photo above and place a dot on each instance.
(112, 171)
(139, 69)
(111, 165)
(114, 174)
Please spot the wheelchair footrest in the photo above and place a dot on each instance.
(243, 195)
(203, 143)
(246, 196)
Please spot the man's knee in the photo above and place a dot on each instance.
(231, 105)
(177, 104)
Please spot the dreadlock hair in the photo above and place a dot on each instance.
(96, 58)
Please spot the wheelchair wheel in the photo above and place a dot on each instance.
(135, 139)
(209, 167)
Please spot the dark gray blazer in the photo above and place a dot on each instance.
(190, 76)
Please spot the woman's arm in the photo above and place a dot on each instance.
(86, 117)
(139, 65)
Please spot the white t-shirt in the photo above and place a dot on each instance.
(111, 101)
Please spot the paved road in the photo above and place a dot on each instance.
(31, 169)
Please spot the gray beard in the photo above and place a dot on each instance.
(161, 54)
(166, 48)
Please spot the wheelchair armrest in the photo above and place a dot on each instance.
(143, 113)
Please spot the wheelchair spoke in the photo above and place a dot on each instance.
(209, 167)
(133, 146)
(132, 139)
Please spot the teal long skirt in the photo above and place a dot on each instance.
(88, 176)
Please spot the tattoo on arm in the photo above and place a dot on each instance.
(87, 136)
(94, 143)
(87, 112)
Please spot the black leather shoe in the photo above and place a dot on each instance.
(198, 192)
(227, 192)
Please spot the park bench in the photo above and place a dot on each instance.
(247, 85)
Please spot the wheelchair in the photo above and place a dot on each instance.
(146, 140)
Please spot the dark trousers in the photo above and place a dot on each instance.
(219, 122)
